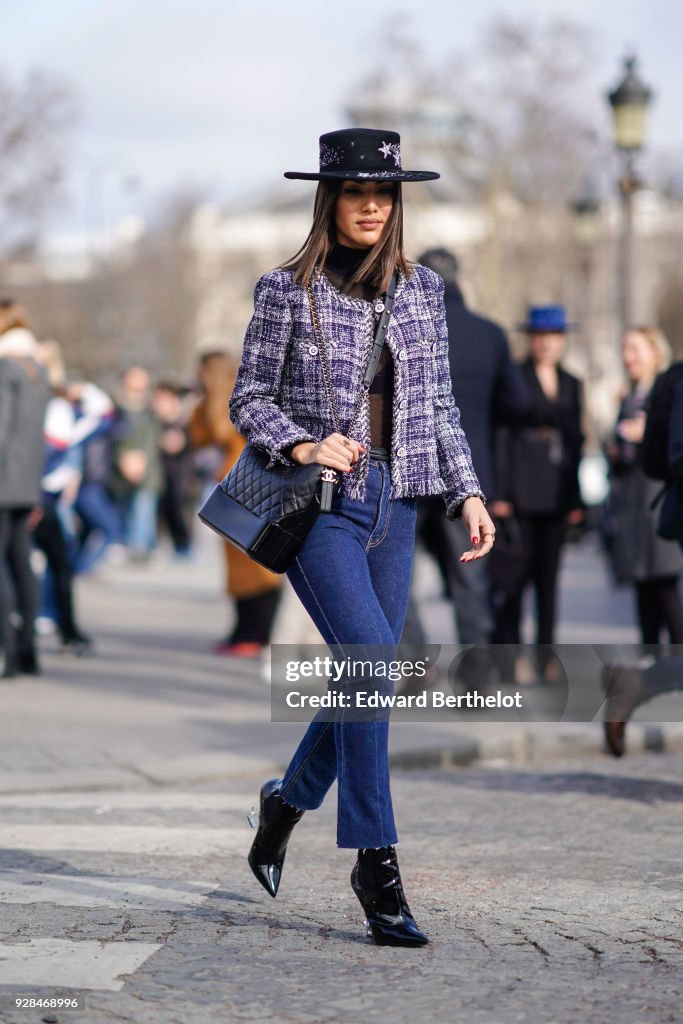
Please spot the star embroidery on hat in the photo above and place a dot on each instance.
(330, 155)
(392, 149)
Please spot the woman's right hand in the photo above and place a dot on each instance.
(336, 451)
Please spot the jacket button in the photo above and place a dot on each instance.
(403, 355)
(403, 404)
(313, 349)
(401, 450)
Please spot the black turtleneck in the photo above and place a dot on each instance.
(341, 264)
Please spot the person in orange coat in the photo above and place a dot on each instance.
(254, 589)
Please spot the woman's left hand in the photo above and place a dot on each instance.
(481, 528)
(632, 429)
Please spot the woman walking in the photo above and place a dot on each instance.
(652, 565)
(538, 480)
(353, 572)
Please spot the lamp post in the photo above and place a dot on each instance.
(586, 216)
(629, 103)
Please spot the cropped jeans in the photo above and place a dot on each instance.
(353, 577)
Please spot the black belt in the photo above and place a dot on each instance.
(379, 453)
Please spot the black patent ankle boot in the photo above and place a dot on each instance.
(276, 821)
(376, 881)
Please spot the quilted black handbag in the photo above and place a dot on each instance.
(267, 513)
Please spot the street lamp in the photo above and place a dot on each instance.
(586, 219)
(629, 103)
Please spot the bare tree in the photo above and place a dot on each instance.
(35, 118)
(517, 108)
(512, 123)
(138, 305)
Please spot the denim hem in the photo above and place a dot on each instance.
(350, 843)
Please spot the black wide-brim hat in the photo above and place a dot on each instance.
(361, 154)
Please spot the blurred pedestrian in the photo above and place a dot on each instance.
(100, 529)
(60, 484)
(490, 390)
(23, 399)
(176, 459)
(254, 590)
(639, 557)
(138, 471)
(629, 686)
(537, 480)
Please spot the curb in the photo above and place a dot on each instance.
(540, 744)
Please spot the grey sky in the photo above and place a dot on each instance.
(230, 95)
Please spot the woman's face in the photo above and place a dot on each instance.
(547, 348)
(640, 359)
(361, 212)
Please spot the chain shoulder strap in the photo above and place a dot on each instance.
(325, 365)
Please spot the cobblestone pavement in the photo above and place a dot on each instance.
(550, 895)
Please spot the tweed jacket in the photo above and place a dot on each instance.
(279, 395)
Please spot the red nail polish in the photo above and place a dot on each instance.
(475, 540)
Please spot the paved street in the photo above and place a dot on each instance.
(547, 875)
(550, 895)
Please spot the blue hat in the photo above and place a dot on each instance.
(547, 319)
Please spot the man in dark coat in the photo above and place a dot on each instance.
(23, 400)
(489, 389)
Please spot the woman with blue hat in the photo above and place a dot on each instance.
(392, 438)
(538, 478)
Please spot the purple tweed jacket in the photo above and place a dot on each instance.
(279, 395)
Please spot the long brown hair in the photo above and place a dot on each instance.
(384, 258)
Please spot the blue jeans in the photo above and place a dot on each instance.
(141, 520)
(353, 577)
(101, 522)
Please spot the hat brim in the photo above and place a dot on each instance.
(397, 175)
